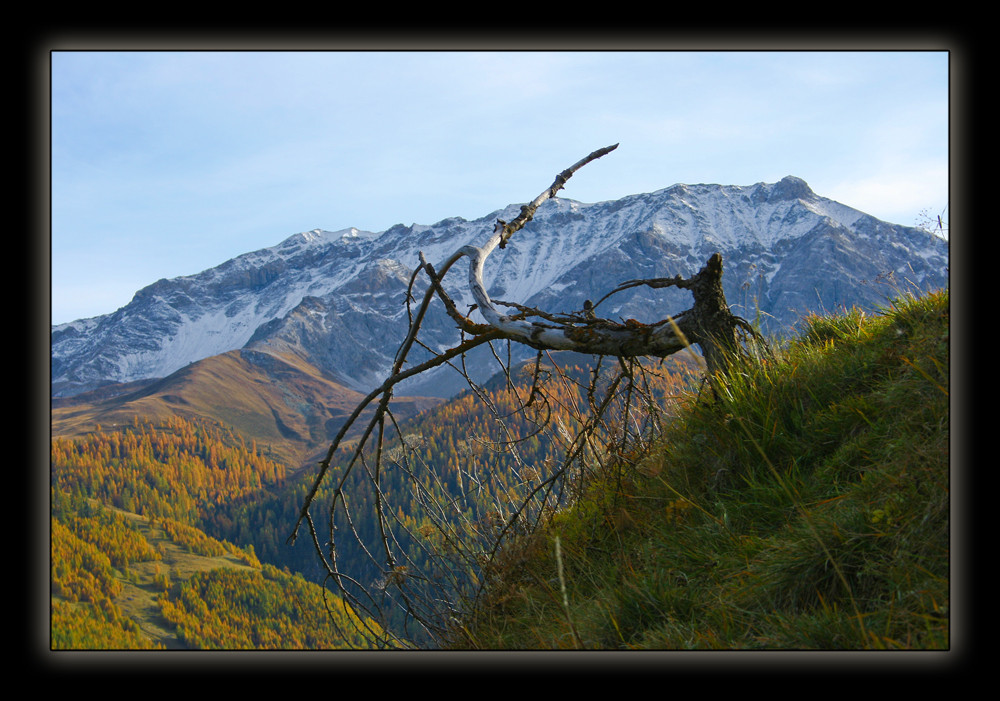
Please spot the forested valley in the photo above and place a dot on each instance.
(807, 507)
(191, 519)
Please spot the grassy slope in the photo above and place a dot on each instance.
(807, 507)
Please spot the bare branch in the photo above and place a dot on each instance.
(605, 417)
(528, 211)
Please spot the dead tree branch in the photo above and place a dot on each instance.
(709, 324)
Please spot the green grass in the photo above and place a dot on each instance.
(804, 507)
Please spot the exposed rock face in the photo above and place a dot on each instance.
(337, 299)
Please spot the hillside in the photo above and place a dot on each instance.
(121, 581)
(279, 400)
(805, 507)
(228, 485)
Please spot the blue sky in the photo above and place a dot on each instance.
(166, 164)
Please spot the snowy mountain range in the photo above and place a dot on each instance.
(337, 299)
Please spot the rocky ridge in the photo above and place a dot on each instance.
(337, 299)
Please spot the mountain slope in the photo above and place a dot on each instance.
(337, 299)
(122, 581)
(806, 507)
(279, 400)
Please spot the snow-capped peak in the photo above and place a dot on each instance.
(789, 245)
